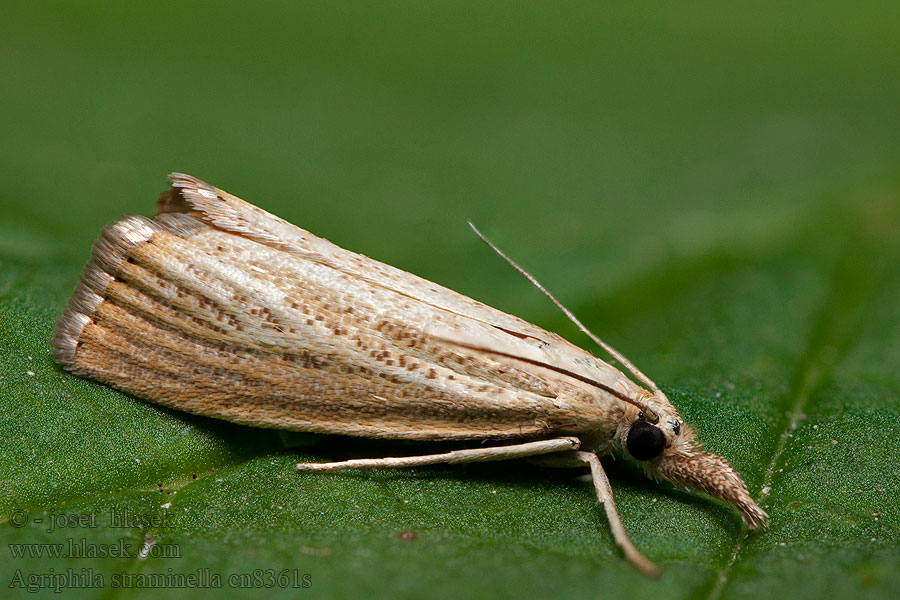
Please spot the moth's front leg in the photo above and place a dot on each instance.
(579, 458)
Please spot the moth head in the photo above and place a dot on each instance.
(653, 430)
(667, 449)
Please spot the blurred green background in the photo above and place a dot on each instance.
(713, 189)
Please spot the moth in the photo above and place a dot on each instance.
(219, 308)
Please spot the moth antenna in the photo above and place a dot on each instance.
(609, 349)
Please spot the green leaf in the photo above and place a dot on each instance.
(714, 192)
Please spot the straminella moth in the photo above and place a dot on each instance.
(218, 308)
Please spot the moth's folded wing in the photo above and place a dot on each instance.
(191, 316)
(471, 319)
(225, 211)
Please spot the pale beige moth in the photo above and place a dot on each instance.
(218, 308)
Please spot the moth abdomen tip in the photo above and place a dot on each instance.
(84, 300)
(82, 305)
(65, 337)
(109, 251)
(107, 255)
(94, 278)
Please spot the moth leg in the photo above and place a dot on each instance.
(456, 456)
(605, 497)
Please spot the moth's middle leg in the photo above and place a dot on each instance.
(456, 456)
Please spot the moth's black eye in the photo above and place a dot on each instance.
(645, 441)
